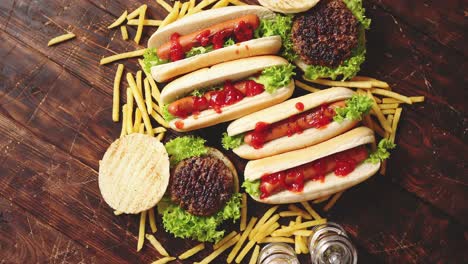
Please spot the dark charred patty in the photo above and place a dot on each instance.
(326, 34)
(201, 185)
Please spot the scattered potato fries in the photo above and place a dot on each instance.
(241, 241)
(276, 240)
(119, 20)
(253, 258)
(129, 111)
(146, 22)
(163, 260)
(172, 16)
(161, 250)
(164, 5)
(225, 239)
(116, 93)
(152, 220)
(332, 201)
(311, 211)
(124, 32)
(262, 220)
(121, 56)
(351, 84)
(220, 250)
(141, 20)
(140, 103)
(187, 254)
(136, 12)
(141, 232)
(321, 200)
(306, 87)
(293, 213)
(60, 39)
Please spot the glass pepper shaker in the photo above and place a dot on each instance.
(277, 253)
(329, 244)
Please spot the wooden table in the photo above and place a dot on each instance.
(55, 124)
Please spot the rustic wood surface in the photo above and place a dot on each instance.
(55, 124)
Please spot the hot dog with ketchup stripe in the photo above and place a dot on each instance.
(315, 171)
(208, 38)
(226, 91)
(296, 123)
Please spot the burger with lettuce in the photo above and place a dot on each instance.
(203, 191)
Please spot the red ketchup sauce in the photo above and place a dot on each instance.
(230, 94)
(176, 52)
(342, 164)
(318, 117)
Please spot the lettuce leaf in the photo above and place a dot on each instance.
(382, 151)
(150, 59)
(198, 50)
(348, 69)
(185, 147)
(232, 142)
(165, 113)
(252, 187)
(229, 42)
(276, 77)
(280, 25)
(356, 106)
(355, 6)
(204, 229)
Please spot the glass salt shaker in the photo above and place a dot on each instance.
(277, 253)
(329, 244)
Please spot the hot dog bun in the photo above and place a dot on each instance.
(254, 170)
(205, 19)
(233, 71)
(285, 110)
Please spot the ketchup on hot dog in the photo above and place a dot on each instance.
(342, 164)
(240, 29)
(231, 93)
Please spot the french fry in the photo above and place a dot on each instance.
(414, 99)
(156, 108)
(60, 39)
(224, 240)
(200, 6)
(121, 56)
(152, 220)
(293, 213)
(360, 84)
(311, 211)
(388, 111)
(163, 260)
(148, 101)
(160, 136)
(321, 200)
(220, 250)
(243, 220)
(294, 208)
(262, 220)
(141, 104)
(290, 229)
(141, 19)
(302, 233)
(379, 114)
(391, 94)
(159, 119)
(124, 32)
(244, 251)
(332, 201)
(117, 212)
(137, 122)
(164, 5)
(266, 231)
(171, 17)
(221, 3)
(183, 10)
(123, 132)
(146, 22)
(276, 240)
(237, 2)
(135, 12)
(241, 241)
(139, 82)
(375, 82)
(119, 20)
(154, 88)
(264, 226)
(390, 121)
(306, 87)
(187, 254)
(297, 248)
(129, 111)
(141, 232)
(303, 244)
(388, 106)
(141, 129)
(253, 258)
(116, 93)
(161, 250)
(396, 119)
(159, 130)
(417, 99)
(191, 6)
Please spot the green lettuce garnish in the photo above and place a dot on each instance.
(355, 6)
(280, 25)
(232, 142)
(184, 225)
(356, 106)
(150, 59)
(252, 187)
(185, 147)
(382, 151)
(165, 113)
(348, 69)
(229, 42)
(198, 50)
(276, 77)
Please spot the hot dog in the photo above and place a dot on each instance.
(296, 123)
(314, 171)
(226, 91)
(175, 46)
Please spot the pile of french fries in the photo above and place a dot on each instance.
(143, 102)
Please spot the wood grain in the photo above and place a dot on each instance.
(55, 122)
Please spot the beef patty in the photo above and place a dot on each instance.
(201, 185)
(325, 35)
